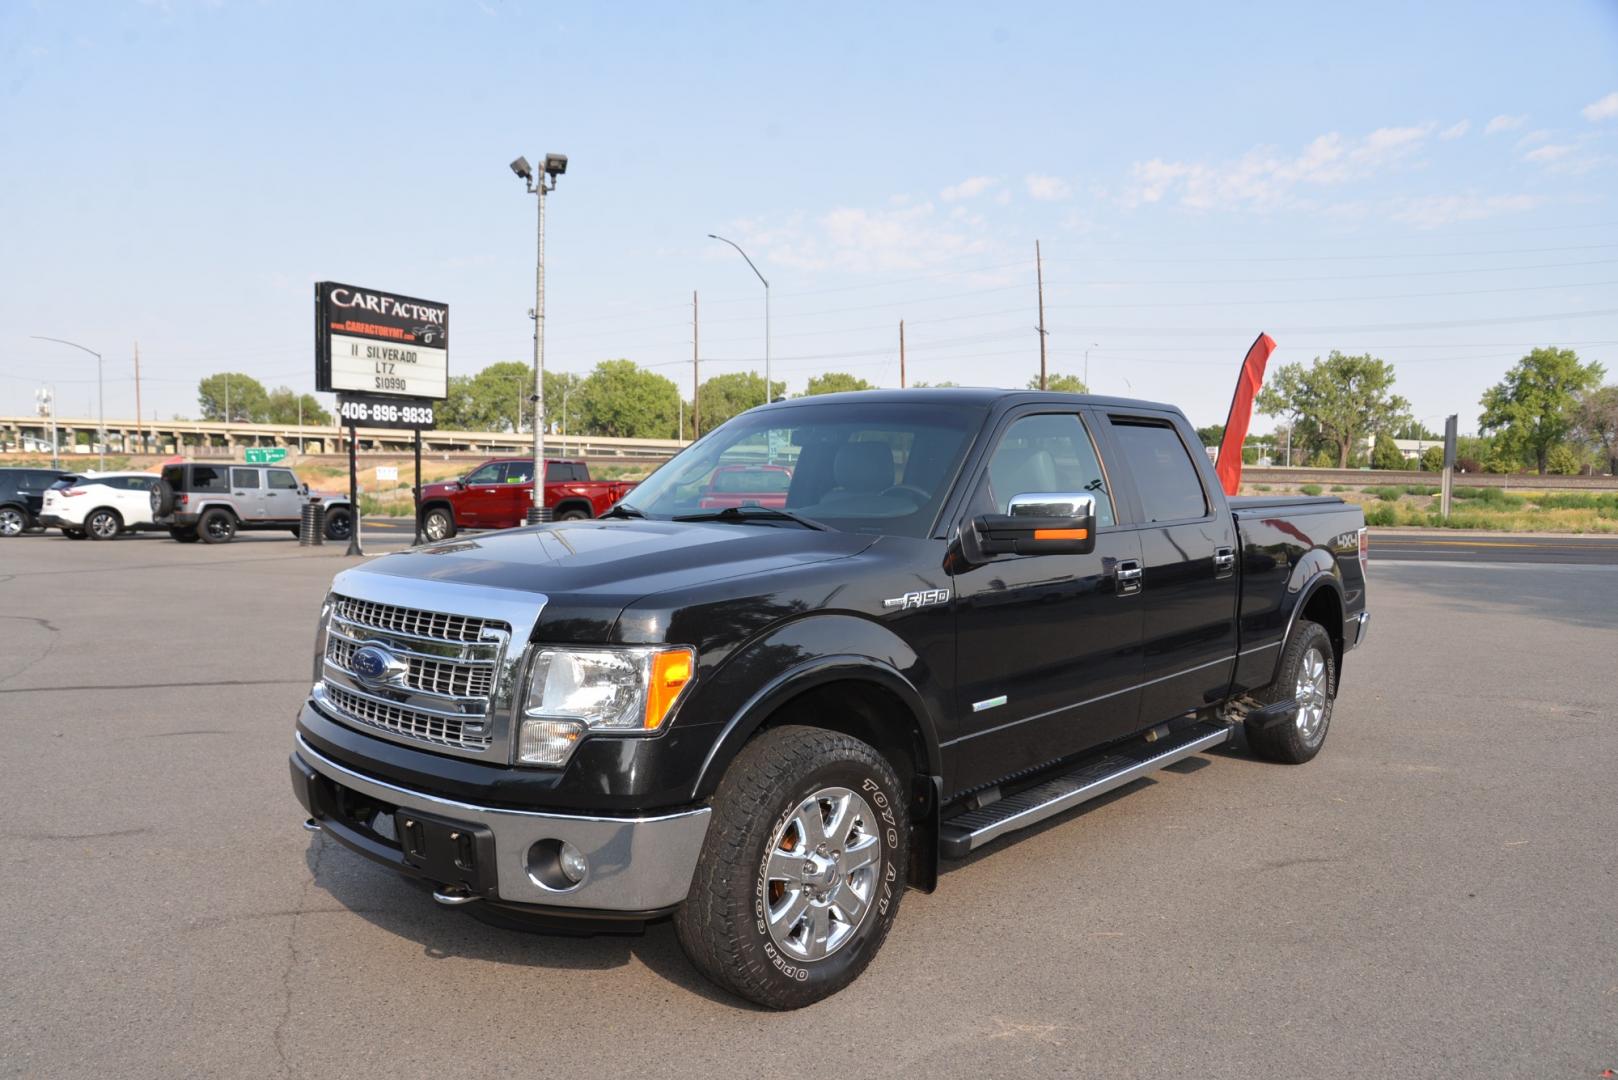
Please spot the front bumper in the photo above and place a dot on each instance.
(637, 865)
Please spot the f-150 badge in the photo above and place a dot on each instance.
(920, 598)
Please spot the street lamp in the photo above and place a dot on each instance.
(1087, 388)
(553, 166)
(101, 394)
(768, 389)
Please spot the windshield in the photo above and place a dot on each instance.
(878, 468)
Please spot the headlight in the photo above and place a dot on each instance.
(571, 691)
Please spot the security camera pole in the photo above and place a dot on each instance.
(555, 165)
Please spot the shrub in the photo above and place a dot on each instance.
(1421, 489)
(1432, 459)
(1339, 487)
(1310, 489)
(1468, 465)
(1381, 516)
(1261, 487)
(1563, 461)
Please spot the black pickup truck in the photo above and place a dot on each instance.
(975, 609)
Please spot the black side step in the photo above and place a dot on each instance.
(967, 832)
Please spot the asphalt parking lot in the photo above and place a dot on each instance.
(1436, 895)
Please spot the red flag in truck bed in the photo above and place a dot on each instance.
(1229, 465)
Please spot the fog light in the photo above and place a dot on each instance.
(547, 742)
(573, 863)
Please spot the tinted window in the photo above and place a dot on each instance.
(519, 472)
(34, 479)
(1169, 487)
(244, 478)
(207, 478)
(174, 476)
(1048, 452)
(283, 480)
(556, 472)
(131, 483)
(489, 474)
(8, 479)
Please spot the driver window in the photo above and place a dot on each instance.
(489, 474)
(1043, 453)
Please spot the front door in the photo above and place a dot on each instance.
(282, 501)
(1188, 555)
(247, 493)
(484, 495)
(1047, 647)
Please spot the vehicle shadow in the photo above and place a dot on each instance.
(405, 909)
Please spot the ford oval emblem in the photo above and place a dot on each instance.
(374, 664)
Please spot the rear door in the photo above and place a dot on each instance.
(1047, 646)
(247, 492)
(1187, 547)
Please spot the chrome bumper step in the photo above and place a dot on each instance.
(965, 833)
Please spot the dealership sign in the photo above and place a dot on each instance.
(373, 342)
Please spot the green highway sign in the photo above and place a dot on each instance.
(267, 455)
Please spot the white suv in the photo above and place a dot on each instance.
(101, 506)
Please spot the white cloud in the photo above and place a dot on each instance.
(1605, 109)
(1549, 152)
(1433, 211)
(1264, 177)
(1047, 188)
(860, 240)
(1504, 123)
(1455, 131)
(969, 188)
(1533, 138)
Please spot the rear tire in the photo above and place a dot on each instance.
(802, 869)
(339, 523)
(438, 524)
(216, 527)
(103, 525)
(1308, 675)
(573, 514)
(13, 522)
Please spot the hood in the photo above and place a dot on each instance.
(590, 570)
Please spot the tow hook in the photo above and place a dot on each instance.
(453, 895)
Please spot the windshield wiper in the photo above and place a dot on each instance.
(620, 510)
(752, 512)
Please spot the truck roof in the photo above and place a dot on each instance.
(970, 395)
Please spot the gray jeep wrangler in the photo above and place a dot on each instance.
(197, 501)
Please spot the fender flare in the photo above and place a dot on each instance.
(1321, 579)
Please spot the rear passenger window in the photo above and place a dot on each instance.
(519, 472)
(244, 478)
(207, 478)
(1170, 489)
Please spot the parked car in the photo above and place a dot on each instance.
(746, 485)
(977, 610)
(100, 506)
(498, 493)
(211, 502)
(22, 497)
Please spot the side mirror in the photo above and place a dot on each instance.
(1040, 523)
(303, 489)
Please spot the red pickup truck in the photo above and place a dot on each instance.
(498, 493)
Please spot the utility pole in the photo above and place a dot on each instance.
(696, 375)
(543, 184)
(1039, 274)
(140, 435)
(901, 354)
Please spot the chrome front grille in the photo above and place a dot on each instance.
(443, 685)
(465, 733)
(436, 625)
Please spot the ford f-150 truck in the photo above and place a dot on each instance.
(974, 609)
(498, 493)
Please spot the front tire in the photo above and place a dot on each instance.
(438, 524)
(1308, 676)
(802, 870)
(13, 522)
(103, 525)
(216, 527)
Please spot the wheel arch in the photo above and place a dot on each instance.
(574, 503)
(1320, 600)
(440, 503)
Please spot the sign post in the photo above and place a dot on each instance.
(386, 356)
(1447, 485)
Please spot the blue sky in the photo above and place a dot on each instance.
(1432, 183)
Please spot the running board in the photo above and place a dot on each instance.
(967, 832)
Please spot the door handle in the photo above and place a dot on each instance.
(1224, 562)
(1129, 577)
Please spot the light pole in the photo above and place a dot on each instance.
(554, 165)
(768, 389)
(567, 389)
(101, 395)
(46, 396)
(1092, 345)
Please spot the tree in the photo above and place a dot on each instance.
(1595, 421)
(1532, 408)
(1212, 435)
(623, 400)
(1385, 454)
(455, 411)
(561, 387)
(1563, 460)
(834, 382)
(248, 401)
(283, 407)
(1060, 384)
(1432, 459)
(1414, 429)
(920, 383)
(1343, 398)
(724, 396)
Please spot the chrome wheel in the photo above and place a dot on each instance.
(11, 522)
(436, 527)
(1312, 693)
(821, 872)
(103, 526)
